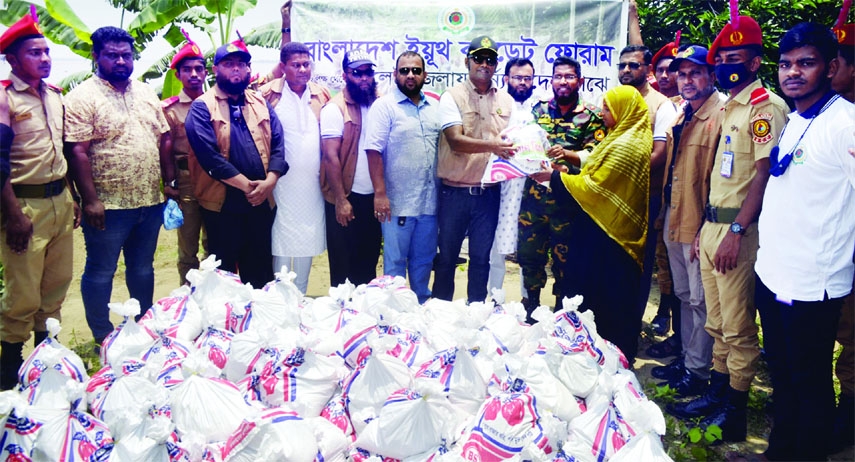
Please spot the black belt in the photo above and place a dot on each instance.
(182, 164)
(473, 190)
(39, 191)
(720, 214)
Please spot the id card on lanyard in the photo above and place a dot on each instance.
(727, 159)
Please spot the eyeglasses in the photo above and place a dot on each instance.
(407, 70)
(357, 73)
(633, 66)
(479, 59)
(567, 77)
(233, 64)
(522, 78)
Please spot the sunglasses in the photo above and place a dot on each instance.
(633, 66)
(407, 70)
(357, 73)
(479, 59)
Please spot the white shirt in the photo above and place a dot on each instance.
(332, 126)
(807, 224)
(665, 117)
(299, 227)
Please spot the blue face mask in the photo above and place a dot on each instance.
(732, 75)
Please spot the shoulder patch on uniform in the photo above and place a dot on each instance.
(759, 95)
(5, 83)
(54, 87)
(169, 101)
(761, 128)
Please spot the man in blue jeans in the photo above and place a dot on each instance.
(116, 132)
(402, 133)
(472, 115)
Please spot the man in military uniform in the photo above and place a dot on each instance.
(189, 65)
(38, 211)
(573, 127)
(752, 121)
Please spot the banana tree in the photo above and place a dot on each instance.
(146, 20)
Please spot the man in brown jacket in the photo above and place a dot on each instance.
(353, 227)
(237, 158)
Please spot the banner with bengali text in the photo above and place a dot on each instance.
(591, 31)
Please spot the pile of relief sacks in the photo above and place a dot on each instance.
(219, 371)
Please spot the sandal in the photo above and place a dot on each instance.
(666, 348)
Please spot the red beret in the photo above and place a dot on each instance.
(668, 51)
(845, 34)
(190, 50)
(25, 27)
(746, 32)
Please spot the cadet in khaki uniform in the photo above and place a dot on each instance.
(752, 121)
(38, 210)
(189, 65)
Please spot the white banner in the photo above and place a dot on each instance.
(591, 31)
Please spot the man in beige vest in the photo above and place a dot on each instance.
(472, 114)
(353, 224)
(236, 160)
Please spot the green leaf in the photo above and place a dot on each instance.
(54, 30)
(700, 453)
(157, 15)
(695, 435)
(173, 36)
(62, 12)
(171, 85)
(713, 433)
(267, 36)
(70, 81)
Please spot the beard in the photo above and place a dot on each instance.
(410, 93)
(232, 88)
(520, 96)
(362, 97)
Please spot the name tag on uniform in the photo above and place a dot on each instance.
(727, 164)
(23, 116)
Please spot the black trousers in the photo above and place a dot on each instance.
(799, 344)
(241, 241)
(353, 250)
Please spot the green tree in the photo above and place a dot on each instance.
(701, 20)
(147, 20)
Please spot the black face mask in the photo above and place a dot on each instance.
(732, 75)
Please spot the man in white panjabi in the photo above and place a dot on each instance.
(298, 230)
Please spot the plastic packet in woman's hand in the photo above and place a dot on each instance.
(529, 140)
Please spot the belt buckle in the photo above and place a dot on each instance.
(476, 190)
(712, 214)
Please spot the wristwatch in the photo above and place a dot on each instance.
(736, 228)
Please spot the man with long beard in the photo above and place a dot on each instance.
(401, 141)
(238, 157)
(352, 220)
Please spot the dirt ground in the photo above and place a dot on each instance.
(74, 328)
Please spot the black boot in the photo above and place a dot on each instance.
(672, 371)
(710, 402)
(732, 418)
(10, 362)
(661, 323)
(39, 337)
(531, 303)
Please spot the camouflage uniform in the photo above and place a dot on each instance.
(543, 225)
